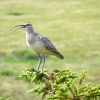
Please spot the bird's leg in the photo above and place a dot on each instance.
(40, 60)
(43, 61)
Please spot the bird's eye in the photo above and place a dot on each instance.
(27, 24)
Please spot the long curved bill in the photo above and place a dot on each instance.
(17, 27)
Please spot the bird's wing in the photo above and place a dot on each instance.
(50, 46)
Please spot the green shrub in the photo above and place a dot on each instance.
(61, 85)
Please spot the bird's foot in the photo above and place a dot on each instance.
(33, 70)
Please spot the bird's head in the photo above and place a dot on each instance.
(26, 26)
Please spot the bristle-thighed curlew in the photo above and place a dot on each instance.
(40, 44)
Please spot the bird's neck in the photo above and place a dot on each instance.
(30, 32)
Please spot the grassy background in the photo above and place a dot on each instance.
(73, 26)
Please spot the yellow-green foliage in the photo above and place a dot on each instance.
(61, 85)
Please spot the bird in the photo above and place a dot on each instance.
(38, 43)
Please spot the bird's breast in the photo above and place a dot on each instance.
(29, 39)
(37, 45)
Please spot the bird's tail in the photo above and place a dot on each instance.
(58, 54)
